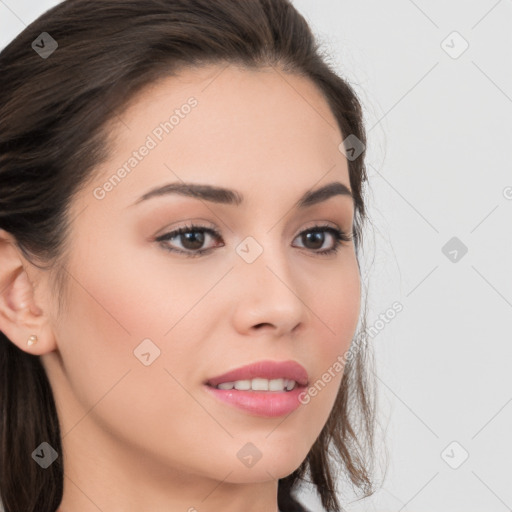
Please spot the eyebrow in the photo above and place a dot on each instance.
(232, 197)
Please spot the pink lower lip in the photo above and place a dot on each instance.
(260, 403)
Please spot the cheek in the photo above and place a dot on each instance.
(108, 317)
(335, 312)
(117, 302)
(335, 306)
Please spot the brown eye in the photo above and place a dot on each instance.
(191, 238)
(314, 238)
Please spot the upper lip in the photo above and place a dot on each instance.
(265, 369)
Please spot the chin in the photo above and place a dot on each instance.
(280, 465)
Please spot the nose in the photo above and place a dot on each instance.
(268, 297)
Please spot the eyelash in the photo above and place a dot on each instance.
(339, 235)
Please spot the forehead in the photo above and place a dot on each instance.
(247, 128)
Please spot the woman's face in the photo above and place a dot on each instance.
(146, 326)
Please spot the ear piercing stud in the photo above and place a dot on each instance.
(32, 340)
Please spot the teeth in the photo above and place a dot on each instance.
(276, 385)
(259, 384)
(226, 385)
(242, 385)
(290, 384)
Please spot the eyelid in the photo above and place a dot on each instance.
(191, 224)
(314, 223)
(185, 223)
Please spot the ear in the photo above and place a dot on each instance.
(21, 315)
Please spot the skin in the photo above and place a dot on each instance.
(139, 437)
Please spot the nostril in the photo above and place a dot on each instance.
(262, 324)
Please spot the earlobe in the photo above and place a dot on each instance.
(21, 319)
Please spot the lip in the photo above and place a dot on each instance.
(261, 403)
(266, 370)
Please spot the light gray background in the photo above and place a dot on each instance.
(439, 161)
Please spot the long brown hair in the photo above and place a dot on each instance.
(53, 114)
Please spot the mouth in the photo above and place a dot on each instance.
(264, 375)
(259, 384)
(265, 388)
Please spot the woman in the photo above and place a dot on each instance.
(180, 215)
